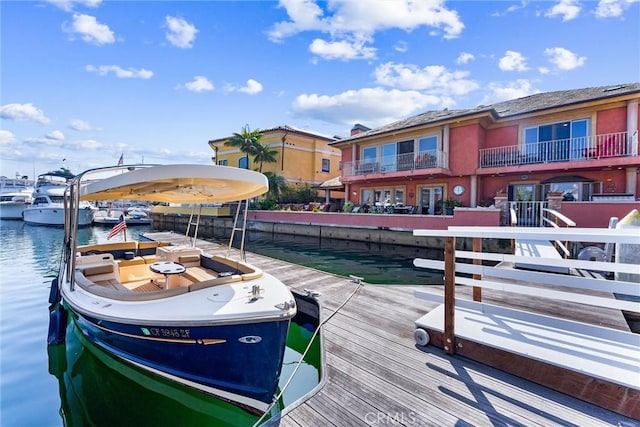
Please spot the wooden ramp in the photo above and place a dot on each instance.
(590, 362)
(532, 249)
(582, 358)
(374, 374)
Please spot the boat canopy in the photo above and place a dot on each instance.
(178, 184)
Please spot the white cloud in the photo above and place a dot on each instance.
(80, 125)
(251, 88)
(55, 135)
(87, 144)
(305, 15)
(199, 84)
(563, 59)
(464, 58)
(513, 61)
(23, 112)
(181, 33)
(6, 137)
(90, 30)
(511, 8)
(121, 73)
(375, 106)
(499, 92)
(401, 46)
(68, 5)
(567, 9)
(435, 78)
(612, 8)
(352, 24)
(344, 50)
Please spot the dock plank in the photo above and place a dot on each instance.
(374, 369)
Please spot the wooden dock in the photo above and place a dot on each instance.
(374, 374)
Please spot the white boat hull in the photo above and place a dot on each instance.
(12, 210)
(54, 215)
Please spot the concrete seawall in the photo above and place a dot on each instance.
(211, 225)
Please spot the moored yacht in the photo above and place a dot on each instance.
(47, 207)
(15, 196)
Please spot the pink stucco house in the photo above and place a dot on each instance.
(579, 145)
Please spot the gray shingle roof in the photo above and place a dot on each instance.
(527, 104)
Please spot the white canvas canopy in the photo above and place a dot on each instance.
(179, 184)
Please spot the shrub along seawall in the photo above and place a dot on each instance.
(388, 229)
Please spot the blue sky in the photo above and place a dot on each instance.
(83, 82)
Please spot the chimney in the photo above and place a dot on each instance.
(358, 128)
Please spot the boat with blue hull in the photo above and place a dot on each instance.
(214, 323)
(210, 350)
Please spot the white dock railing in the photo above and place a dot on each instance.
(582, 353)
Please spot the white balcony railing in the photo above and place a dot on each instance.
(562, 150)
(401, 162)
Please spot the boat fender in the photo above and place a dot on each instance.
(57, 325)
(421, 336)
(54, 292)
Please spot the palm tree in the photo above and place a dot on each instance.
(277, 185)
(247, 141)
(263, 154)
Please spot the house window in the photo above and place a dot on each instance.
(428, 144)
(572, 189)
(555, 142)
(243, 162)
(381, 197)
(223, 162)
(326, 165)
(388, 158)
(369, 154)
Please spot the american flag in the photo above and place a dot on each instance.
(121, 161)
(121, 225)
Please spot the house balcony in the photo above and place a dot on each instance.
(616, 147)
(400, 165)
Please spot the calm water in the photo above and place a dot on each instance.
(376, 263)
(39, 385)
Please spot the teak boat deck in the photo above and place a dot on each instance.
(374, 374)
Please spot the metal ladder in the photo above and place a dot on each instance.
(196, 224)
(239, 227)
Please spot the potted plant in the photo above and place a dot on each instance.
(348, 206)
(450, 204)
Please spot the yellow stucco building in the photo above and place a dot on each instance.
(302, 157)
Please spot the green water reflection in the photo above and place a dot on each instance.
(99, 389)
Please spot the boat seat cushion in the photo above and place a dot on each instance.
(136, 273)
(95, 270)
(101, 272)
(199, 274)
(189, 260)
(121, 292)
(127, 262)
(150, 259)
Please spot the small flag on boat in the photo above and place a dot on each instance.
(121, 225)
(121, 161)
